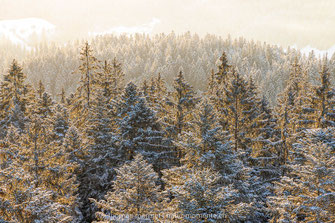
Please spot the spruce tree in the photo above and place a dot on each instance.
(266, 144)
(84, 95)
(136, 197)
(141, 132)
(289, 110)
(97, 173)
(37, 181)
(181, 105)
(206, 143)
(15, 98)
(323, 99)
(111, 79)
(201, 198)
(216, 87)
(307, 192)
(240, 100)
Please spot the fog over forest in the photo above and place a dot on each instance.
(283, 22)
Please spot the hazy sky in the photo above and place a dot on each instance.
(284, 22)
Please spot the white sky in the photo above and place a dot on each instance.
(284, 22)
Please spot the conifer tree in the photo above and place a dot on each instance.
(223, 72)
(266, 144)
(74, 147)
(206, 143)
(111, 79)
(288, 110)
(47, 163)
(36, 179)
(216, 86)
(201, 198)
(141, 132)
(15, 97)
(84, 95)
(61, 123)
(41, 89)
(181, 105)
(304, 108)
(62, 96)
(307, 192)
(156, 97)
(135, 197)
(240, 100)
(323, 99)
(97, 173)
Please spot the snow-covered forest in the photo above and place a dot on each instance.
(166, 128)
(143, 56)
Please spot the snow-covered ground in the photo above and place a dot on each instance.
(22, 31)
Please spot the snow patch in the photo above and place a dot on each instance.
(23, 31)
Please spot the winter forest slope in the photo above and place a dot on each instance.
(166, 128)
(144, 56)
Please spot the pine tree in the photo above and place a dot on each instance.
(36, 180)
(41, 89)
(74, 147)
(304, 109)
(135, 194)
(156, 97)
(204, 195)
(62, 96)
(47, 163)
(61, 123)
(223, 72)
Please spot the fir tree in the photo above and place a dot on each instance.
(205, 144)
(37, 182)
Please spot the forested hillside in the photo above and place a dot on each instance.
(145, 56)
(167, 129)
